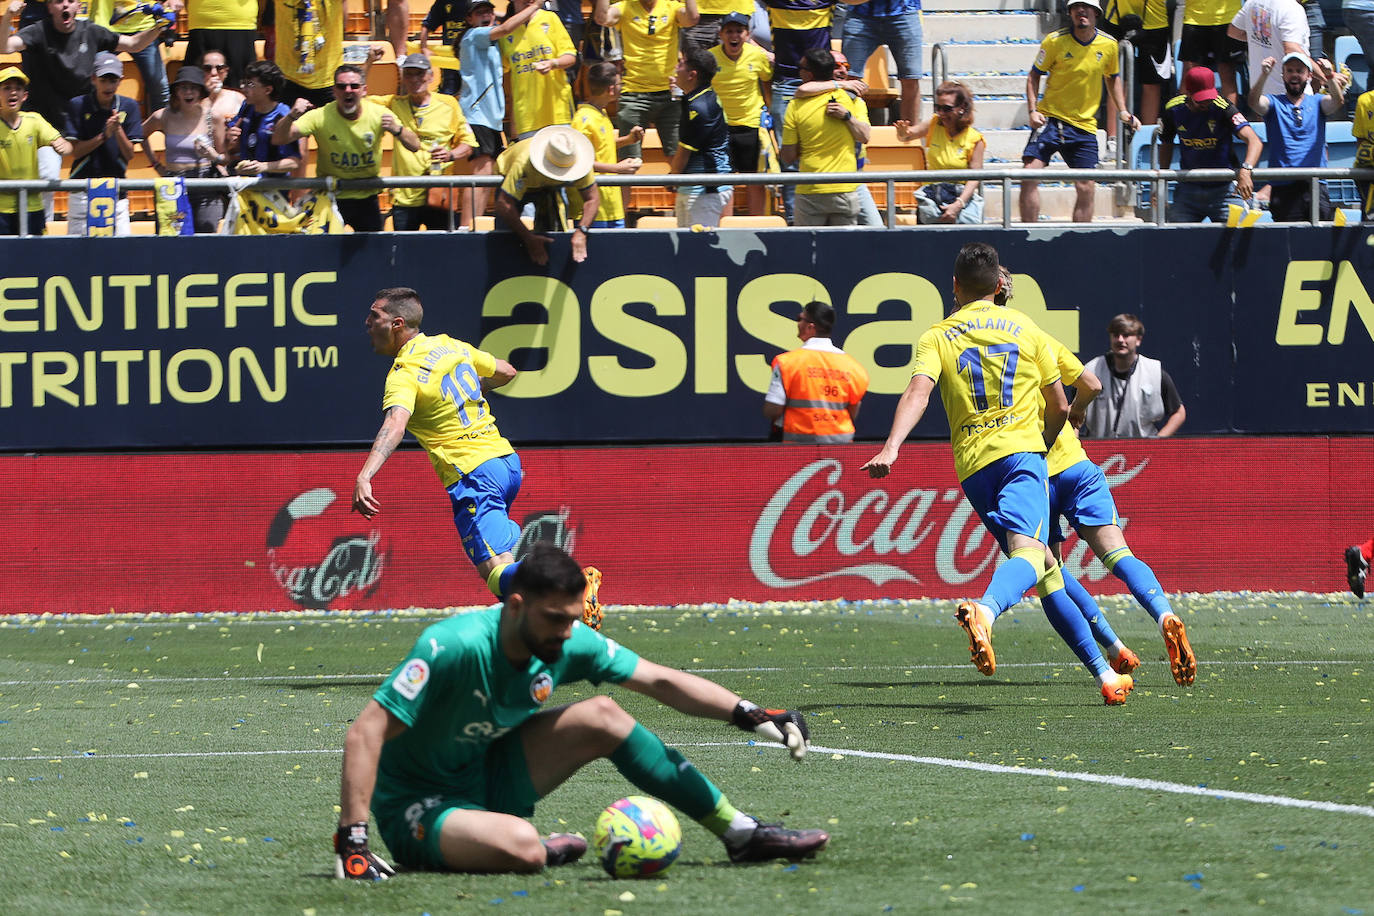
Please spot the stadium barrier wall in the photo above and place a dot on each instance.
(667, 525)
(658, 336)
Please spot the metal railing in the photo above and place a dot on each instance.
(1007, 178)
(939, 66)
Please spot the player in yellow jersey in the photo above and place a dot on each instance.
(436, 389)
(1079, 492)
(1000, 387)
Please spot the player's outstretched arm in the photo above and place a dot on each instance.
(388, 437)
(910, 409)
(696, 696)
(362, 749)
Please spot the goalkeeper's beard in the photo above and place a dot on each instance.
(547, 652)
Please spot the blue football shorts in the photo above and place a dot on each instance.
(481, 508)
(1011, 495)
(1077, 146)
(1080, 493)
(410, 824)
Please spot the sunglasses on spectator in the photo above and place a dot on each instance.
(217, 67)
(943, 108)
(349, 87)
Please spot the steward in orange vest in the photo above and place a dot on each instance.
(816, 390)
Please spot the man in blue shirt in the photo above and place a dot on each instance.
(102, 127)
(1202, 123)
(461, 741)
(249, 138)
(1296, 125)
(482, 97)
(703, 143)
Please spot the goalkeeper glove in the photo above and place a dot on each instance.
(353, 859)
(785, 726)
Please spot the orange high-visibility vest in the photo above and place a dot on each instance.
(820, 387)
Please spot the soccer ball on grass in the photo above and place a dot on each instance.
(637, 837)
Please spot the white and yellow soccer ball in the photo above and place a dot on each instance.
(637, 837)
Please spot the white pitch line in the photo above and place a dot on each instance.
(307, 679)
(1119, 782)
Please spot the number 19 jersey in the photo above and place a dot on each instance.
(991, 363)
(439, 380)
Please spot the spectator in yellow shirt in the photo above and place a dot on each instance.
(742, 69)
(591, 120)
(444, 135)
(349, 137)
(25, 132)
(820, 133)
(536, 53)
(650, 31)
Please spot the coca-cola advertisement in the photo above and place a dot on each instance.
(667, 525)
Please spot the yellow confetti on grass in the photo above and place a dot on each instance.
(260, 652)
(178, 833)
(64, 854)
(627, 897)
(140, 775)
(184, 808)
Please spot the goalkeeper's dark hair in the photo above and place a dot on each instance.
(977, 269)
(404, 303)
(548, 570)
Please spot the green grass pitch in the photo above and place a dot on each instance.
(190, 765)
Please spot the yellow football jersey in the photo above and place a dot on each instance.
(1210, 12)
(650, 38)
(309, 49)
(1073, 91)
(991, 363)
(537, 99)
(437, 122)
(826, 143)
(19, 156)
(348, 148)
(439, 380)
(737, 84)
(593, 123)
(1067, 450)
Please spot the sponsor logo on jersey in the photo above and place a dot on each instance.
(412, 678)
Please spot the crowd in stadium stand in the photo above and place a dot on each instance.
(770, 91)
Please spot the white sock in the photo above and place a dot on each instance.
(740, 830)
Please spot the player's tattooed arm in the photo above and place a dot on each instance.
(388, 437)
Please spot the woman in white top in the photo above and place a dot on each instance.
(194, 144)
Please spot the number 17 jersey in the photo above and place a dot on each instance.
(439, 380)
(991, 363)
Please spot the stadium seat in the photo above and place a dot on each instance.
(881, 93)
(656, 222)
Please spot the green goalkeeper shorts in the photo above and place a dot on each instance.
(410, 821)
